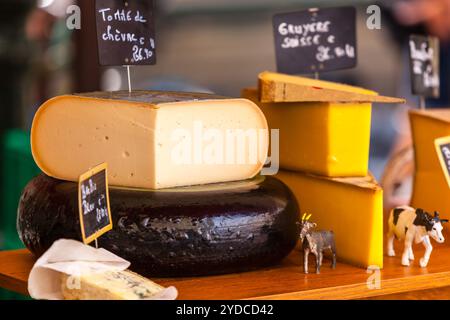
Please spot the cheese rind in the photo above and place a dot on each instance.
(330, 139)
(108, 285)
(277, 87)
(430, 188)
(149, 139)
(351, 207)
(186, 231)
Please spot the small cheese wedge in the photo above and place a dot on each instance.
(325, 138)
(351, 207)
(278, 87)
(150, 139)
(108, 285)
(430, 190)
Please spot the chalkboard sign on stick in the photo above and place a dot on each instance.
(443, 150)
(125, 32)
(315, 40)
(93, 202)
(424, 65)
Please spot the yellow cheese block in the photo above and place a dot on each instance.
(330, 139)
(351, 207)
(277, 87)
(108, 285)
(430, 191)
(150, 139)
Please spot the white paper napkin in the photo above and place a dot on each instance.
(74, 258)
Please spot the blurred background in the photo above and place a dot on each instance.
(202, 45)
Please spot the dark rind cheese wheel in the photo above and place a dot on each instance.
(189, 231)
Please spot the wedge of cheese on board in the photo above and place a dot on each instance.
(278, 87)
(324, 126)
(430, 190)
(108, 285)
(325, 138)
(150, 139)
(351, 207)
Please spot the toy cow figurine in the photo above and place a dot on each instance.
(413, 224)
(315, 242)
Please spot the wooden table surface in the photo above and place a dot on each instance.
(285, 281)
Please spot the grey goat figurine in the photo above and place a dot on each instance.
(315, 242)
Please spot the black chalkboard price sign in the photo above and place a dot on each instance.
(125, 32)
(93, 198)
(424, 65)
(315, 40)
(443, 150)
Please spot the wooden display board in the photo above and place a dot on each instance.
(284, 281)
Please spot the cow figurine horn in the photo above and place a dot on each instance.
(303, 217)
(309, 216)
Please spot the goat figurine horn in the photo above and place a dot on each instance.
(303, 217)
(309, 216)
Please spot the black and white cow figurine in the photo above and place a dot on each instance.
(409, 224)
(315, 242)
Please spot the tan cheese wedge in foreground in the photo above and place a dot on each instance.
(278, 87)
(329, 139)
(150, 139)
(109, 285)
(351, 207)
(430, 191)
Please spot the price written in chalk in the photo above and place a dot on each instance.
(95, 214)
(125, 32)
(443, 151)
(424, 65)
(315, 40)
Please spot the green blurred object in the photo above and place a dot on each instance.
(18, 168)
(9, 295)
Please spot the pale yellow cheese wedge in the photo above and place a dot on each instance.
(351, 207)
(430, 190)
(278, 87)
(108, 285)
(150, 139)
(330, 139)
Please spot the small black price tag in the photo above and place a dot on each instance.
(93, 202)
(443, 150)
(315, 40)
(424, 65)
(125, 32)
